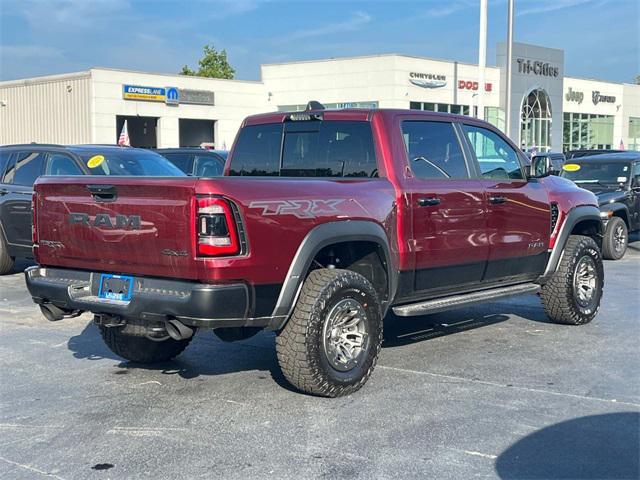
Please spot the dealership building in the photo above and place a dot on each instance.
(549, 111)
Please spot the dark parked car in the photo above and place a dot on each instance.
(589, 152)
(20, 165)
(615, 179)
(197, 162)
(557, 161)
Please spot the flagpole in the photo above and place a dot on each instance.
(507, 103)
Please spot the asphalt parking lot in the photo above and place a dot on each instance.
(493, 391)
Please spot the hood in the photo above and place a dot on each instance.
(609, 196)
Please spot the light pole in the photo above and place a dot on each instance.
(507, 102)
(482, 57)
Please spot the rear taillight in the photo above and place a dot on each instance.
(215, 227)
(34, 216)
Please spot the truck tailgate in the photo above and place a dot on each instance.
(117, 224)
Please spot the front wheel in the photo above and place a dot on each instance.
(616, 238)
(572, 295)
(330, 345)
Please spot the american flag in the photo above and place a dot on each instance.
(123, 141)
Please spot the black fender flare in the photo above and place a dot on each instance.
(575, 216)
(320, 237)
(616, 207)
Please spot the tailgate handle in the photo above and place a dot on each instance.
(103, 193)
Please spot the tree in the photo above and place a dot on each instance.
(637, 79)
(213, 64)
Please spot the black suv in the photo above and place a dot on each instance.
(20, 165)
(196, 161)
(615, 179)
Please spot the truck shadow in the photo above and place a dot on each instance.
(593, 447)
(400, 331)
(209, 356)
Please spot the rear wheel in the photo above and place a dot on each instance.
(6, 261)
(572, 296)
(330, 345)
(141, 349)
(616, 238)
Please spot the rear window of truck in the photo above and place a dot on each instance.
(313, 148)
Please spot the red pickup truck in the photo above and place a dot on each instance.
(322, 223)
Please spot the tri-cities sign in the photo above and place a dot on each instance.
(543, 69)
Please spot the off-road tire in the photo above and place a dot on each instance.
(299, 345)
(140, 349)
(6, 261)
(609, 242)
(559, 296)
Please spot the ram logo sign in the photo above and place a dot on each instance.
(102, 220)
(298, 208)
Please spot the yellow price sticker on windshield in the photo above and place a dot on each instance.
(571, 167)
(95, 161)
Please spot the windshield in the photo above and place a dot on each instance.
(130, 163)
(603, 173)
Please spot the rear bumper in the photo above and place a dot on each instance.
(195, 304)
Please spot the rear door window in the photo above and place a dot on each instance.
(60, 164)
(434, 150)
(26, 168)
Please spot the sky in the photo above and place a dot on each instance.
(601, 38)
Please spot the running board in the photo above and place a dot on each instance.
(455, 301)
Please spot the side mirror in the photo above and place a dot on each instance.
(540, 167)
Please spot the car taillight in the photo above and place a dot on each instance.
(34, 227)
(215, 227)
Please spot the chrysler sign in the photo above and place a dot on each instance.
(427, 80)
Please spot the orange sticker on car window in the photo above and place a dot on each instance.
(571, 167)
(95, 161)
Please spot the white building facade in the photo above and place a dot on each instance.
(549, 111)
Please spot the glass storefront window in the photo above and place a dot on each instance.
(495, 116)
(586, 130)
(441, 107)
(634, 133)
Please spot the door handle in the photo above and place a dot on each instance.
(497, 199)
(4, 191)
(428, 201)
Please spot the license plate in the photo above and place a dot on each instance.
(115, 287)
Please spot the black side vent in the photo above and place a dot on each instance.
(554, 216)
